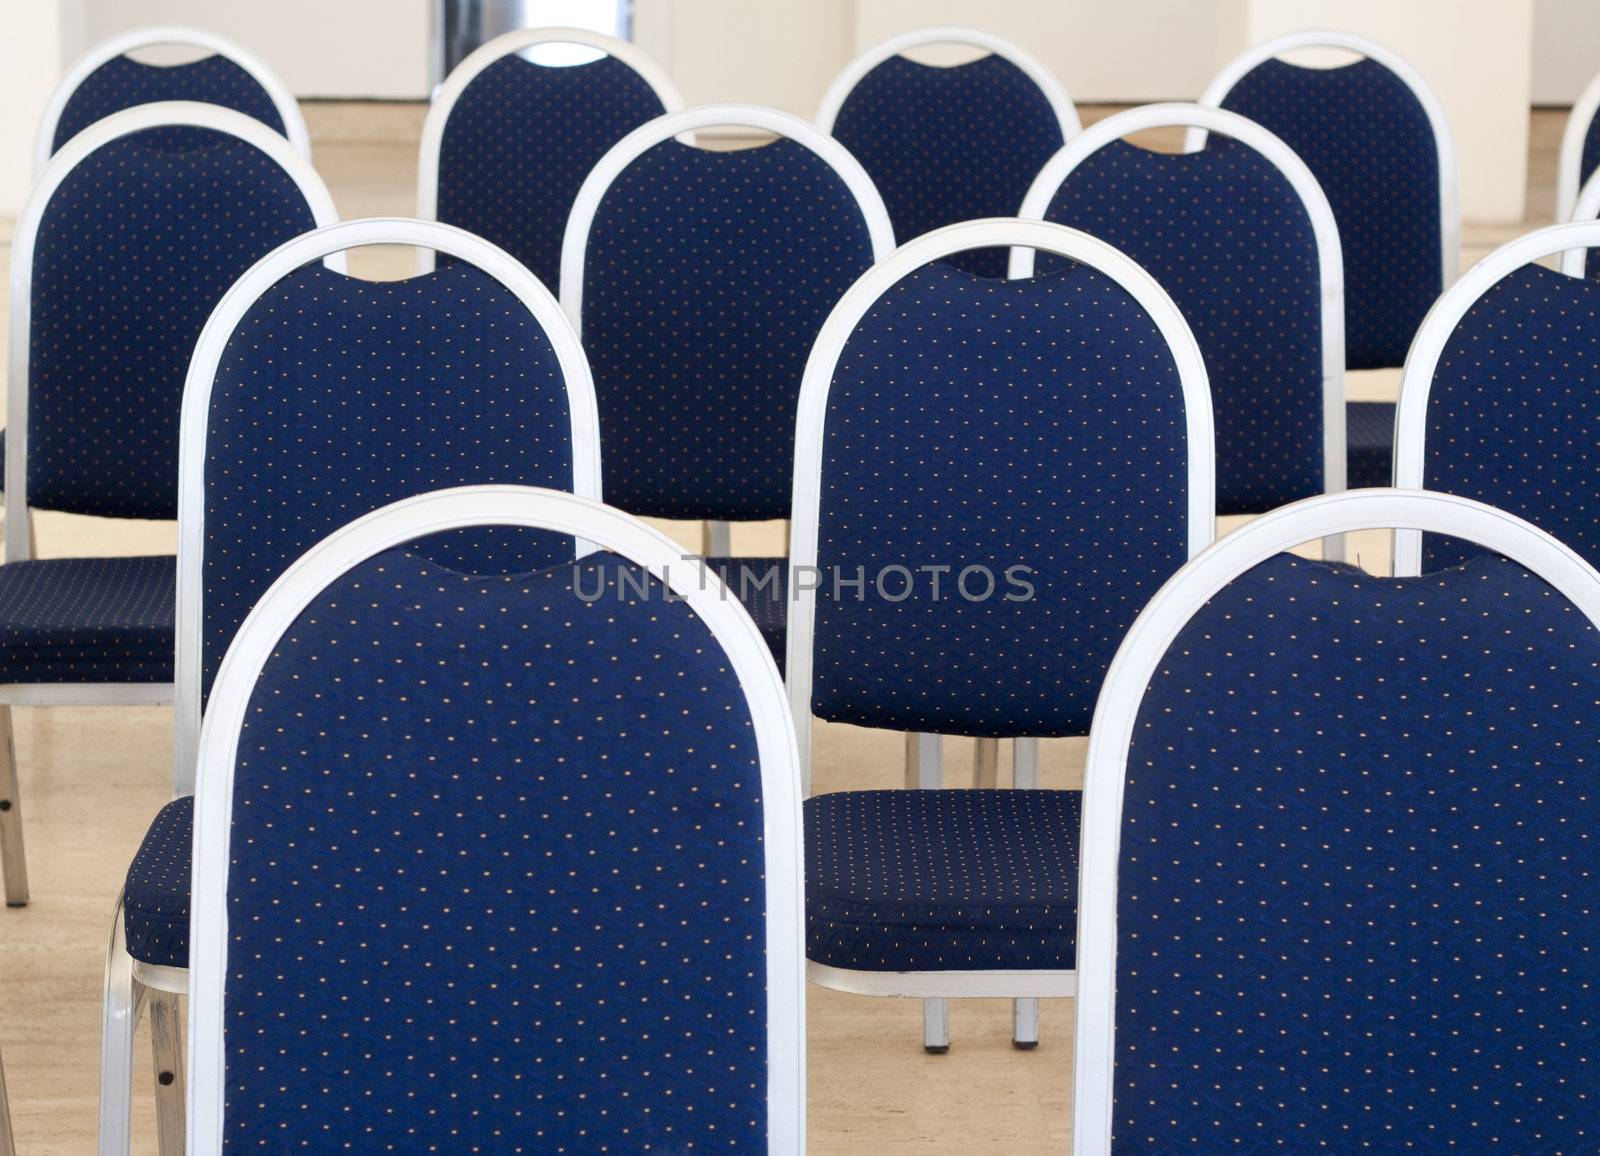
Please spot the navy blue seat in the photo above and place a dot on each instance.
(911, 881)
(1349, 884)
(1003, 482)
(129, 240)
(335, 396)
(954, 143)
(1227, 233)
(1512, 409)
(566, 977)
(509, 140)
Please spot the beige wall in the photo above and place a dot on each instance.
(1566, 49)
(29, 50)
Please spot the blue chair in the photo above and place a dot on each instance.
(564, 976)
(313, 398)
(514, 130)
(1338, 857)
(108, 79)
(1579, 158)
(1498, 399)
(1243, 239)
(949, 143)
(129, 237)
(1376, 138)
(699, 279)
(1047, 443)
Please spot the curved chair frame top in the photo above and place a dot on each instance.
(575, 242)
(811, 422)
(459, 508)
(332, 242)
(1587, 206)
(844, 84)
(1449, 199)
(161, 114)
(1330, 258)
(1569, 168)
(294, 123)
(1137, 660)
(1572, 241)
(444, 102)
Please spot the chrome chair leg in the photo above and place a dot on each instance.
(124, 997)
(986, 763)
(8, 1142)
(716, 539)
(13, 860)
(936, 1026)
(1025, 777)
(925, 770)
(166, 1038)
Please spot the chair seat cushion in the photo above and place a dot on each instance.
(955, 880)
(155, 898)
(87, 620)
(762, 586)
(1369, 443)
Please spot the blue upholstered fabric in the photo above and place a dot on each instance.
(1225, 233)
(707, 277)
(1514, 410)
(1035, 424)
(155, 897)
(762, 587)
(336, 396)
(1369, 443)
(519, 142)
(525, 910)
(1591, 152)
(942, 880)
(87, 620)
(123, 82)
(1356, 891)
(950, 144)
(1366, 138)
(134, 250)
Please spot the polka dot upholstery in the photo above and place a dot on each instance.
(1369, 442)
(155, 898)
(86, 620)
(334, 397)
(134, 249)
(762, 587)
(950, 144)
(1366, 138)
(519, 142)
(123, 82)
(972, 422)
(1591, 152)
(1356, 893)
(1514, 410)
(1225, 233)
(496, 874)
(707, 277)
(942, 880)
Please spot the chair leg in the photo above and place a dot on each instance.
(716, 539)
(166, 1038)
(986, 763)
(13, 860)
(936, 1026)
(124, 997)
(1025, 777)
(8, 1143)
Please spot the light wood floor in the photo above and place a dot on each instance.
(92, 778)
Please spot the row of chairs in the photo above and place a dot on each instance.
(1151, 482)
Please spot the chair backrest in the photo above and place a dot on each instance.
(990, 479)
(1580, 152)
(1338, 848)
(315, 397)
(1500, 393)
(128, 240)
(1587, 208)
(1375, 136)
(949, 143)
(108, 79)
(1243, 239)
(508, 140)
(698, 280)
(558, 826)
